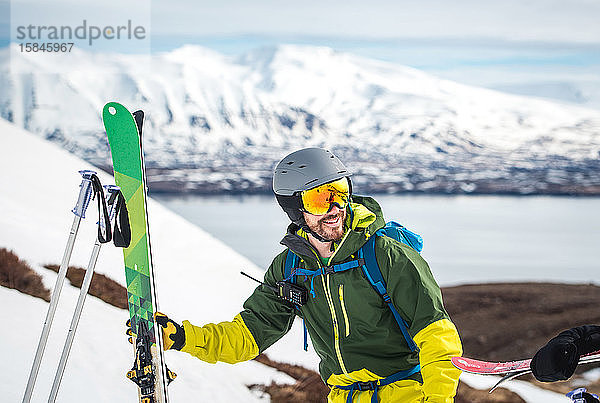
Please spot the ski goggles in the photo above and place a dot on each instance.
(320, 200)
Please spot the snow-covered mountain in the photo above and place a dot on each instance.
(217, 123)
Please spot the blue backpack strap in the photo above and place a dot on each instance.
(291, 262)
(373, 273)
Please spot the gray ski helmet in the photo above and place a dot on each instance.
(302, 170)
(305, 169)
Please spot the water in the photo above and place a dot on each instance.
(468, 239)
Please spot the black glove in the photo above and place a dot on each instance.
(557, 360)
(172, 333)
(590, 339)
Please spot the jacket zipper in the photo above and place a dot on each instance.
(336, 330)
(346, 321)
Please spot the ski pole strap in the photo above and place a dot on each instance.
(104, 228)
(122, 230)
(375, 385)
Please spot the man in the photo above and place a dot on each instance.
(557, 360)
(362, 349)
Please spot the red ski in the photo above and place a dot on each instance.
(509, 369)
(489, 368)
(502, 368)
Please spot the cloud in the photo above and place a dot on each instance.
(547, 20)
(533, 20)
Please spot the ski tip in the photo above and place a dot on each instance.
(113, 110)
(460, 363)
(138, 116)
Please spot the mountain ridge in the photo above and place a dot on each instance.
(219, 124)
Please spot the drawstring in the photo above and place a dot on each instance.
(306, 272)
(336, 268)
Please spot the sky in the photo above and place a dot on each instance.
(544, 47)
(533, 20)
(572, 21)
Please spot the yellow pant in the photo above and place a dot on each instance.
(405, 391)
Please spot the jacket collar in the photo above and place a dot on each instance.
(363, 218)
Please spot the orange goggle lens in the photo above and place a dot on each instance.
(318, 201)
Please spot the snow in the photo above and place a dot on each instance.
(197, 279)
(529, 392)
(588, 377)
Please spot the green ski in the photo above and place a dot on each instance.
(149, 371)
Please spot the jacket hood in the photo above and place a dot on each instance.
(363, 218)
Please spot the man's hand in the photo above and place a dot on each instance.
(172, 333)
(129, 332)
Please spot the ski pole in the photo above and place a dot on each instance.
(85, 286)
(85, 195)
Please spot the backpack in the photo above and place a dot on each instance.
(368, 263)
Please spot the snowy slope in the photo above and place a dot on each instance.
(197, 280)
(529, 392)
(220, 123)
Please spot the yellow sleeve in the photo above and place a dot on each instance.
(229, 342)
(438, 342)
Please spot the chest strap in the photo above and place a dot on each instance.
(336, 268)
(367, 261)
(291, 270)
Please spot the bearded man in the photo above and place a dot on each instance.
(390, 348)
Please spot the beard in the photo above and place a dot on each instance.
(326, 231)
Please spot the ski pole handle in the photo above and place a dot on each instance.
(85, 193)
